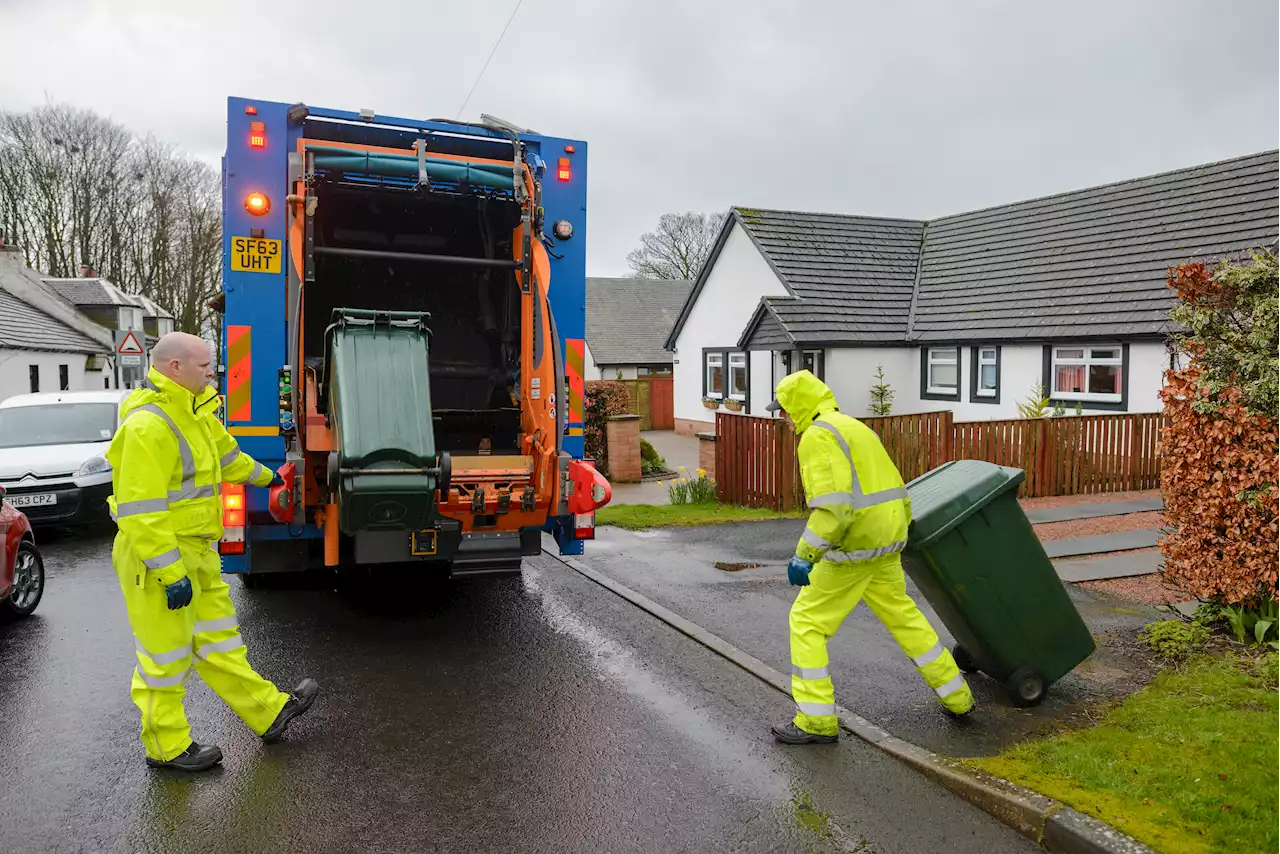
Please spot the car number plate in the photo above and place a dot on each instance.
(37, 500)
(255, 255)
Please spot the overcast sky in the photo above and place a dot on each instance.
(877, 108)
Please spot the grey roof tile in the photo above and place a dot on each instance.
(629, 319)
(1086, 263)
(23, 327)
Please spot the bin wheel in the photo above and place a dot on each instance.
(1026, 687)
(963, 659)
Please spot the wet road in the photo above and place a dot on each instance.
(534, 713)
(676, 568)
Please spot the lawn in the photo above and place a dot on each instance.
(641, 517)
(1188, 764)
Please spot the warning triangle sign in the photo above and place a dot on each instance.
(129, 345)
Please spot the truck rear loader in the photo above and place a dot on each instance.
(403, 323)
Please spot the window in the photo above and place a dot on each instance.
(64, 381)
(810, 360)
(1087, 373)
(714, 380)
(130, 318)
(106, 383)
(56, 424)
(653, 371)
(738, 376)
(164, 326)
(984, 379)
(33, 372)
(940, 373)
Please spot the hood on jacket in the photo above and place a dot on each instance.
(805, 398)
(160, 389)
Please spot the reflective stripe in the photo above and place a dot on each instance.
(216, 625)
(855, 497)
(943, 691)
(258, 469)
(144, 505)
(812, 539)
(866, 554)
(160, 561)
(810, 672)
(819, 709)
(233, 642)
(928, 657)
(230, 456)
(192, 491)
(162, 681)
(163, 658)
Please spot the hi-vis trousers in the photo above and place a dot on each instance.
(203, 636)
(834, 590)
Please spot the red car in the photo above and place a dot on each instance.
(21, 568)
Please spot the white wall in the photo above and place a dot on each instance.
(610, 372)
(590, 370)
(15, 377)
(850, 373)
(729, 297)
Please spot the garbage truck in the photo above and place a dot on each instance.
(402, 314)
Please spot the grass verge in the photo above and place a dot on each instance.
(641, 517)
(1187, 764)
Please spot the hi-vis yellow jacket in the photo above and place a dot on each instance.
(168, 461)
(860, 505)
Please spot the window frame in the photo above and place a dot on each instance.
(931, 392)
(745, 367)
(1088, 400)
(975, 374)
(64, 377)
(725, 354)
(33, 378)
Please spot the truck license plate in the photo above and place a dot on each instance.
(255, 255)
(40, 499)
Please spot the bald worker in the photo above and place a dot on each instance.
(168, 460)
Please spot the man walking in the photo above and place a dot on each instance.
(854, 536)
(168, 460)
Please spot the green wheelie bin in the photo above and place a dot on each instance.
(974, 555)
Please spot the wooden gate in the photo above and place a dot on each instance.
(662, 403)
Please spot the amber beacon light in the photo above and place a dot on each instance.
(257, 204)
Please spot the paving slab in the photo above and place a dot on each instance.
(1115, 566)
(1045, 515)
(1120, 541)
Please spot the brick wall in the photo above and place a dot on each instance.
(707, 453)
(623, 435)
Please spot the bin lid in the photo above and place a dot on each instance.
(945, 497)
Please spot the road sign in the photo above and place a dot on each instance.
(130, 360)
(127, 343)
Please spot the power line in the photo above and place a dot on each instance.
(490, 59)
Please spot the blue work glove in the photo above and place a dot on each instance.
(798, 571)
(179, 593)
(276, 480)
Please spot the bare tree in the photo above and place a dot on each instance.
(678, 248)
(77, 189)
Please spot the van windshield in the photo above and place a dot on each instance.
(56, 424)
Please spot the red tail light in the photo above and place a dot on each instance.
(564, 173)
(233, 515)
(257, 134)
(584, 526)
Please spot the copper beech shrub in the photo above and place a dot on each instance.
(1219, 448)
(603, 398)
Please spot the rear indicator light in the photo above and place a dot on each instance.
(563, 172)
(233, 517)
(257, 204)
(250, 110)
(257, 135)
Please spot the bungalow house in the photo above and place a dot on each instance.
(967, 312)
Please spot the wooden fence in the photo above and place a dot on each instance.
(756, 461)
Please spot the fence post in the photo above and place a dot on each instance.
(1042, 457)
(947, 428)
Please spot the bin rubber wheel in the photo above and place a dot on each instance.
(1026, 687)
(963, 659)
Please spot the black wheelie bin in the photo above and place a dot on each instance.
(974, 555)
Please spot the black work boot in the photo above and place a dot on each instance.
(195, 758)
(789, 733)
(299, 701)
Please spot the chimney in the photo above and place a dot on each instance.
(87, 272)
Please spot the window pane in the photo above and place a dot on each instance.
(737, 358)
(943, 356)
(56, 424)
(1104, 379)
(738, 375)
(1104, 354)
(987, 378)
(1063, 353)
(715, 380)
(987, 355)
(1068, 379)
(943, 376)
(809, 363)
(642, 372)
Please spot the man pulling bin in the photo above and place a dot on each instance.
(850, 550)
